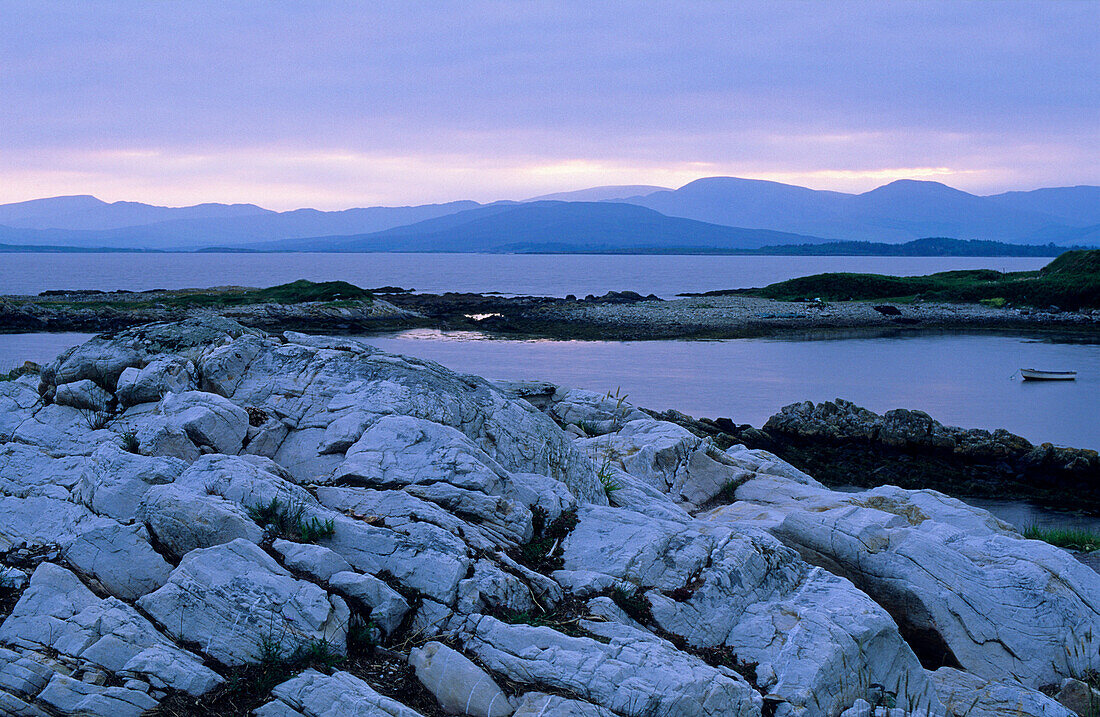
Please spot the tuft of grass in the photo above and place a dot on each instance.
(290, 521)
(607, 478)
(1071, 538)
(96, 419)
(543, 553)
(633, 603)
(130, 442)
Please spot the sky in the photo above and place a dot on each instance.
(339, 104)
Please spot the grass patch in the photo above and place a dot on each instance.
(607, 478)
(296, 292)
(290, 521)
(633, 603)
(130, 443)
(543, 553)
(1069, 538)
(1071, 281)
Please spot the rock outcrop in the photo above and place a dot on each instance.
(394, 538)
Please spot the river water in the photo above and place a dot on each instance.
(512, 274)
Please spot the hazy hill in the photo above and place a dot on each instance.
(1077, 205)
(228, 229)
(548, 226)
(894, 213)
(601, 194)
(83, 212)
(899, 211)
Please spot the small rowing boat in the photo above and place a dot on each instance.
(1031, 374)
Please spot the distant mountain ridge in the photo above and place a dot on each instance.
(900, 211)
(710, 213)
(533, 227)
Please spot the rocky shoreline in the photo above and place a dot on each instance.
(202, 518)
(614, 316)
(842, 444)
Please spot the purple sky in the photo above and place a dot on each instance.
(336, 104)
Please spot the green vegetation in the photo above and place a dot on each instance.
(130, 442)
(291, 522)
(338, 293)
(607, 478)
(1070, 538)
(1071, 281)
(634, 603)
(543, 553)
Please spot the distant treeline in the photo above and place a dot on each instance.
(932, 246)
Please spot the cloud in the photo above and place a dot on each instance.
(350, 103)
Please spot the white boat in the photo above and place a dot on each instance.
(1031, 374)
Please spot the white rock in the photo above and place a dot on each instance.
(460, 686)
(1001, 605)
(75, 697)
(669, 458)
(386, 607)
(44, 521)
(120, 558)
(317, 561)
(160, 376)
(114, 481)
(233, 599)
(312, 694)
(183, 520)
(83, 394)
(207, 418)
(28, 471)
(310, 387)
(539, 704)
(159, 437)
(403, 450)
(57, 612)
(742, 589)
(631, 677)
(966, 694)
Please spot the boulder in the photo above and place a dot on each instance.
(669, 458)
(398, 451)
(460, 686)
(70, 696)
(120, 558)
(386, 607)
(162, 375)
(740, 588)
(58, 613)
(114, 481)
(183, 520)
(238, 603)
(310, 387)
(995, 603)
(540, 704)
(312, 694)
(966, 694)
(207, 418)
(633, 676)
(83, 394)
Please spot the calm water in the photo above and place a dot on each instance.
(539, 275)
(960, 379)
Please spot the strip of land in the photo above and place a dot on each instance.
(1063, 296)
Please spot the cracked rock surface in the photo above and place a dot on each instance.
(200, 518)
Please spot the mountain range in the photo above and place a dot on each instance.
(707, 214)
